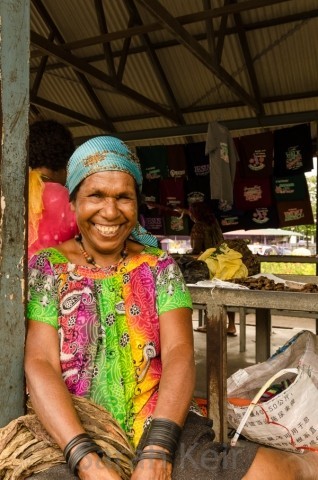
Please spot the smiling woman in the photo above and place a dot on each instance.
(116, 310)
(110, 321)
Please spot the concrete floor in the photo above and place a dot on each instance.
(283, 328)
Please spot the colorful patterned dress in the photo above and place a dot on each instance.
(108, 325)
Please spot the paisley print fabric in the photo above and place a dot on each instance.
(108, 326)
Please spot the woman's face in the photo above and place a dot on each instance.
(106, 210)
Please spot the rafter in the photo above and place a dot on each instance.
(268, 121)
(206, 46)
(124, 53)
(35, 100)
(248, 59)
(55, 33)
(177, 30)
(249, 27)
(152, 56)
(79, 65)
(54, 107)
(222, 106)
(210, 34)
(221, 34)
(100, 14)
(183, 20)
(41, 69)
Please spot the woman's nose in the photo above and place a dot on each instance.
(110, 209)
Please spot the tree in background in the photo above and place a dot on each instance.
(309, 231)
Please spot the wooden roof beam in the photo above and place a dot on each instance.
(55, 33)
(273, 22)
(221, 106)
(54, 107)
(221, 34)
(267, 121)
(124, 52)
(210, 33)
(248, 60)
(156, 65)
(189, 42)
(184, 19)
(79, 65)
(104, 30)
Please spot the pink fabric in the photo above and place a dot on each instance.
(58, 222)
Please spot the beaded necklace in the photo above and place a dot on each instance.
(89, 259)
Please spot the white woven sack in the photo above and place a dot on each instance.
(289, 420)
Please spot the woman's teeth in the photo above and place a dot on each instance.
(107, 230)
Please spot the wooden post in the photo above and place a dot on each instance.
(216, 334)
(14, 104)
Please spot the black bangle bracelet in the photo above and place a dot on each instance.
(82, 437)
(154, 455)
(80, 452)
(163, 433)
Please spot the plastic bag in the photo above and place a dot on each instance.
(224, 263)
(193, 270)
(288, 420)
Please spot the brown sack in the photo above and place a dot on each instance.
(26, 448)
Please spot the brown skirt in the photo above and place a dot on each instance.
(198, 457)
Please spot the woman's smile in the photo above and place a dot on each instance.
(107, 231)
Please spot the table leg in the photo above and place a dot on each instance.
(242, 314)
(217, 370)
(263, 334)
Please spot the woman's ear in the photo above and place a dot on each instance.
(72, 205)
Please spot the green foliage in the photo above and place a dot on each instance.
(289, 268)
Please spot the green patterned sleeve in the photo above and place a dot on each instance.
(42, 303)
(171, 288)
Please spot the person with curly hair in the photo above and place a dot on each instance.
(51, 220)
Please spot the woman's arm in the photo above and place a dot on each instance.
(178, 367)
(176, 384)
(50, 398)
(49, 395)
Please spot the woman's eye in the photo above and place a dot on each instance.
(124, 199)
(123, 196)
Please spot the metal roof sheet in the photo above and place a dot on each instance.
(145, 69)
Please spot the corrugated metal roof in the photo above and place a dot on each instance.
(261, 74)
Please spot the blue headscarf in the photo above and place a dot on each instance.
(103, 154)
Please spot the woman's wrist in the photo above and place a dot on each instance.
(78, 452)
(160, 442)
(90, 462)
(164, 433)
(157, 447)
(92, 467)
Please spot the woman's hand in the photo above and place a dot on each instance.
(152, 469)
(91, 467)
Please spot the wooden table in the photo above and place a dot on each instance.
(217, 301)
